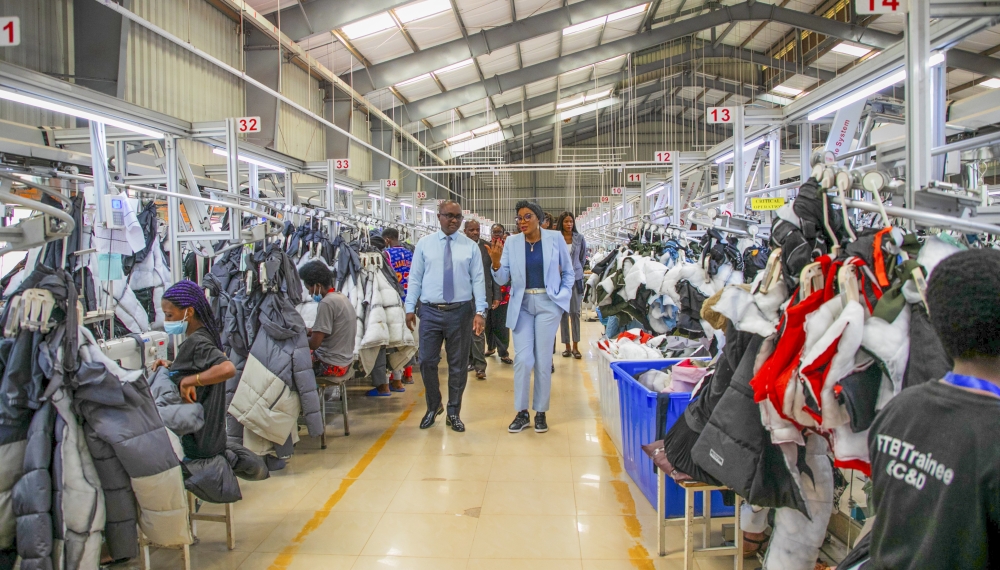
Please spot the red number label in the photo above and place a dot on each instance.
(341, 164)
(391, 183)
(635, 177)
(248, 125)
(9, 28)
(253, 124)
(891, 4)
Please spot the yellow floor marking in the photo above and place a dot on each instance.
(638, 555)
(284, 559)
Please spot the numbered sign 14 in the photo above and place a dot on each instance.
(664, 155)
(248, 125)
(391, 183)
(421, 195)
(617, 191)
(880, 6)
(10, 31)
(605, 199)
(720, 115)
(635, 177)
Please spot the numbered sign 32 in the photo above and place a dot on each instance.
(390, 183)
(248, 125)
(341, 163)
(635, 177)
(664, 155)
(617, 191)
(605, 199)
(880, 6)
(10, 31)
(421, 195)
(720, 115)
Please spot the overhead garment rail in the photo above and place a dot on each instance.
(32, 231)
(685, 158)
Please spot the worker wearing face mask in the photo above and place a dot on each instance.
(333, 334)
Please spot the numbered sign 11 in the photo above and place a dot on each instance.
(617, 191)
(10, 31)
(421, 195)
(390, 183)
(248, 125)
(720, 115)
(605, 199)
(341, 163)
(635, 177)
(880, 6)
(664, 155)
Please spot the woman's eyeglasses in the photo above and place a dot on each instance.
(525, 218)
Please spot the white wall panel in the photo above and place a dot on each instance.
(298, 134)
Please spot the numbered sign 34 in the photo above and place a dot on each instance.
(391, 183)
(341, 163)
(10, 31)
(720, 115)
(248, 125)
(617, 191)
(880, 6)
(664, 155)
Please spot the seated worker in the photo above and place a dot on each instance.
(333, 334)
(935, 455)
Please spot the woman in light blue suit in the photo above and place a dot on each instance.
(536, 262)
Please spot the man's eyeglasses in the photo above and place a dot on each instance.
(526, 218)
(450, 216)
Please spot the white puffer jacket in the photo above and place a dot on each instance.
(264, 404)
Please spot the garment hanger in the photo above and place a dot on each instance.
(847, 280)
(811, 279)
(772, 271)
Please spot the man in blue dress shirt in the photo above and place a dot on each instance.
(447, 279)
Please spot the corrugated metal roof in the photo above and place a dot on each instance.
(542, 48)
(458, 77)
(479, 14)
(581, 40)
(622, 28)
(474, 108)
(540, 87)
(435, 30)
(526, 8)
(500, 61)
(418, 89)
(382, 46)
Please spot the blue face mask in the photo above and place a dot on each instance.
(317, 298)
(175, 327)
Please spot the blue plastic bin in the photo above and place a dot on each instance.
(641, 408)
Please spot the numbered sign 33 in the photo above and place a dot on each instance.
(617, 191)
(10, 31)
(341, 163)
(248, 125)
(720, 115)
(880, 6)
(635, 177)
(391, 183)
(664, 155)
(421, 195)
(605, 199)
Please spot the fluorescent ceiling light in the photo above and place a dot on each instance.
(419, 10)
(368, 26)
(487, 129)
(414, 80)
(749, 147)
(569, 114)
(459, 138)
(406, 205)
(869, 90)
(848, 49)
(429, 211)
(344, 188)
(571, 102)
(58, 108)
(992, 83)
(787, 90)
(610, 60)
(454, 66)
(585, 25)
(249, 160)
(600, 95)
(627, 12)
(377, 197)
(477, 143)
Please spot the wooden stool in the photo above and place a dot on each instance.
(193, 516)
(322, 383)
(689, 521)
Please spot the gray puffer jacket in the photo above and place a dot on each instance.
(177, 416)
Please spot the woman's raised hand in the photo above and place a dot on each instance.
(496, 253)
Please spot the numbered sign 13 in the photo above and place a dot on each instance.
(720, 115)
(248, 125)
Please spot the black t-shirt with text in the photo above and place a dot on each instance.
(197, 354)
(935, 457)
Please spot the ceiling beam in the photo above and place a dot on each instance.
(298, 22)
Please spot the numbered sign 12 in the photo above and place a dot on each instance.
(664, 155)
(391, 183)
(248, 125)
(880, 6)
(635, 177)
(720, 115)
(421, 195)
(605, 199)
(10, 31)
(617, 191)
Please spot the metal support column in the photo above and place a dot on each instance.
(918, 99)
(939, 110)
(121, 158)
(805, 151)
(739, 177)
(99, 164)
(253, 184)
(173, 208)
(675, 189)
(643, 199)
(330, 197)
(774, 160)
(233, 176)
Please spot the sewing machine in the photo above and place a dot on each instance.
(124, 350)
